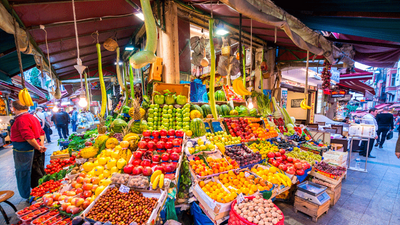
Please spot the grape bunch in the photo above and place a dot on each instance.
(334, 170)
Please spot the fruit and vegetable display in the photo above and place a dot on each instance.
(264, 147)
(330, 169)
(202, 166)
(238, 182)
(240, 128)
(310, 157)
(223, 137)
(272, 175)
(122, 208)
(242, 154)
(48, 186)
(257, 210)
(57, 165)
(199, 145)
(168, 117)
(287, 163)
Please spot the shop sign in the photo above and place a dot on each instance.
(338, 94)
(312, 107)
(295, 84)
(284, 93)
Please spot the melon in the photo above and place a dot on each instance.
(225, 110)
(219, 110)
(197, 127)
(219, 95)
(206, 110)
(196, 107)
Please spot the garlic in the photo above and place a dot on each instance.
(280, 217)
(238, 211)
(279, 211)
(263, 216)
(261, 211)
(269, 214)
(261, 222)
(258, 217)
(250, 219)
(274, 214)
(255, 221)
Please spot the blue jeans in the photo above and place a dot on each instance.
(23, 159)
(74, 125)
(47, 132)
(62, 128)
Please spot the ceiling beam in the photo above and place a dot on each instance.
(86, 20)
(377, 15)
(27, 3)
(90, 68)
(83, 62)
(82, 56)
(5, 72)
(86, 35)
(363, 42)
(27, 68)
(83, 47)
(9, 51)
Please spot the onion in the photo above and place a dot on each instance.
(275, 221)
(261, 222)
(250, 219)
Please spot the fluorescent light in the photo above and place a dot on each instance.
(55, 109)
(120, 63)
(140, 16)
(129, 48)
(221, 32)
(82, 102)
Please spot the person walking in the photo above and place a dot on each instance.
(60, 122)
(41, 116)
(74, 119)
(27, 138)
(385, 122)
(67, 118)
(369, 119)
(48, 125)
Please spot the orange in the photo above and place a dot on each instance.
(254, 188)
(241, 174)
(201, 183)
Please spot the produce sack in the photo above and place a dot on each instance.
(199, 217)
(197, 91)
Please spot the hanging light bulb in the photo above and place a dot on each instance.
(250, 105)
(55, 109)
(82, 102)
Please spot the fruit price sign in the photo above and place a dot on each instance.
(216, 125)
(124, 189)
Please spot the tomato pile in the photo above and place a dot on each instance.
(56, 165)
(49, 186)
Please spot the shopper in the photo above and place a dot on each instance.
(27, 138)
(369, 119)
(61, 123)
(41, 116)
(397, 150)
(385, 122)
(347, 120)
(47, 127)
(68, 119)
(74, 119)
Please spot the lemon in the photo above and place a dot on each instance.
(98, 170)
(102, 161)
(114, 170)
(106, 173)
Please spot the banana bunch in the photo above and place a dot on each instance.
(303, 105)
(283, 179)
(25, 98)
(221, 147)
(239, 88)
(157, 179)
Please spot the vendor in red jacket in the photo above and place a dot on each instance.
(27, 137)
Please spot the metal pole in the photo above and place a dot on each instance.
(366, 156)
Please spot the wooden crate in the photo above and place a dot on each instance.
(309, 208)
(61, 156)
(334, 193)
(179, 89)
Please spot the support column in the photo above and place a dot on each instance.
(169, 44)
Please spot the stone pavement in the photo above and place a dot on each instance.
(366, 198)
(9, 182)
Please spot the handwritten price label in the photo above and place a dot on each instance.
(240, 198)
(124, 189)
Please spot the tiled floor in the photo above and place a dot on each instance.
(366, 198)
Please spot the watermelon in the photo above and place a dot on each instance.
(219, 110)
(206, 110)
(225, 110)
(197, 127)
(253, 112)
(219, 95)
(196, 107)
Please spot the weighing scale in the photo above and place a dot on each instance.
(312, 192)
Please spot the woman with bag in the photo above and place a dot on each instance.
(27, 137)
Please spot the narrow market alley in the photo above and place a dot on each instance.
(366, 198)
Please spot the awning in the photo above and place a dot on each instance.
(356, 86)
(358, 75)
(381, 106)
(359, 113)
(394, 106)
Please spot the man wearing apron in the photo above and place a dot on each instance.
(27, 137)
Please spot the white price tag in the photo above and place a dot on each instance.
(124, 189)
(240, 198)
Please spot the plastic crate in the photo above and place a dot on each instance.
(236, 219)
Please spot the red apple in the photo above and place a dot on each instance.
(79, 190)
(147, 171)
(79, 179)
(270, 160)
(165, 157)
(160, 145)
(275, 163)
(138, 154)
(56, 196)
(85, 204)
(128, 169)
(69, 208)
(282, 151)
(169, 145)
(291, 170)
(277, 154)
(271, 155)
(87, 193)
(300, 172)
(284, 157)
(298, 165)
(136, 162)
(145, 162)
(48, 201)
(78, 201)
(156, 158)
(163, 133)
(64, 206)
(179, 133)
(156, 133)
(158, 167)
(142, 144)
(137, 170)
(171, 133)
(75, 210)
(295, 160)
(151, 145)
(174, 156)
(87, 186)
(289, 159)
(177, 149)
(86, 180)
(146, 133)
(177, 142)
(164, 139)
(283, 167)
